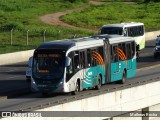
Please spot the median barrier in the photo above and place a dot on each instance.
(16, 57)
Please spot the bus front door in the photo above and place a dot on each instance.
(86, 82)
(115, 65)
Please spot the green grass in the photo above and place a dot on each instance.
(96, 16)
(23, 15)
(120, 0)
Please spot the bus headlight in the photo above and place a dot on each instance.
(33, 81)
(156, 48)
(61, 83)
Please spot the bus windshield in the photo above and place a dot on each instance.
(48, 64)
(111, 30)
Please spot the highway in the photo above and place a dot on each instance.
(12, 80)
(35, 100)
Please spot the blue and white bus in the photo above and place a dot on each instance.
(78, 64)
(131, 29)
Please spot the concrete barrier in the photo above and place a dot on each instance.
(22, 56)
(15, 57)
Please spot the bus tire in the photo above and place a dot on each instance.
(98, 87)
(77, 89)
(123, 77)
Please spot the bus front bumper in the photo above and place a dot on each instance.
(47, 88)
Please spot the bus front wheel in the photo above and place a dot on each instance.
(77, 89)
(98, 87)
(123, 78)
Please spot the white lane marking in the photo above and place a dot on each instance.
(12, 77)
(10, 70)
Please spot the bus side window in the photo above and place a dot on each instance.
(133, 48)
(129, 31)
(134, 31)
(76, 60)
(124, 48)
(119, 53)
(141, 30)
(115, 54)
(111, 53)
(93, 58)
(100, 51)
(82, 59)
(88, 58)
(128, 51)
(69, 70)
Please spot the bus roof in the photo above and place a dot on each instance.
(57, 44)
(85, 42)
(125, 24)
(114, 38)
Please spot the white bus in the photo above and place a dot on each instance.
(131, 29)
(77, 64)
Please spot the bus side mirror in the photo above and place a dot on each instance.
(30, 62)
(68, 61)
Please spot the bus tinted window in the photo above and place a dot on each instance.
(48, 62)
(88, 57)
(115, 55)
(121, 51)
(111, 30)
(93, 59)
(82, 59)
(100, 51)
(128, 51)
(69, 70)
(124, 49)
(135, 31)
(133, 48)
(141, 30)
(76, 60)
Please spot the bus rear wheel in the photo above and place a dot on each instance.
(77, 89)
(98, 87)
(123, 78)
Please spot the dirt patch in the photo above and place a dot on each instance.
(54, 19)
(96, 2)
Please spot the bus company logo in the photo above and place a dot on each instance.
(89, 73)
(6, 114)
(120, 53)
(97, 57)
